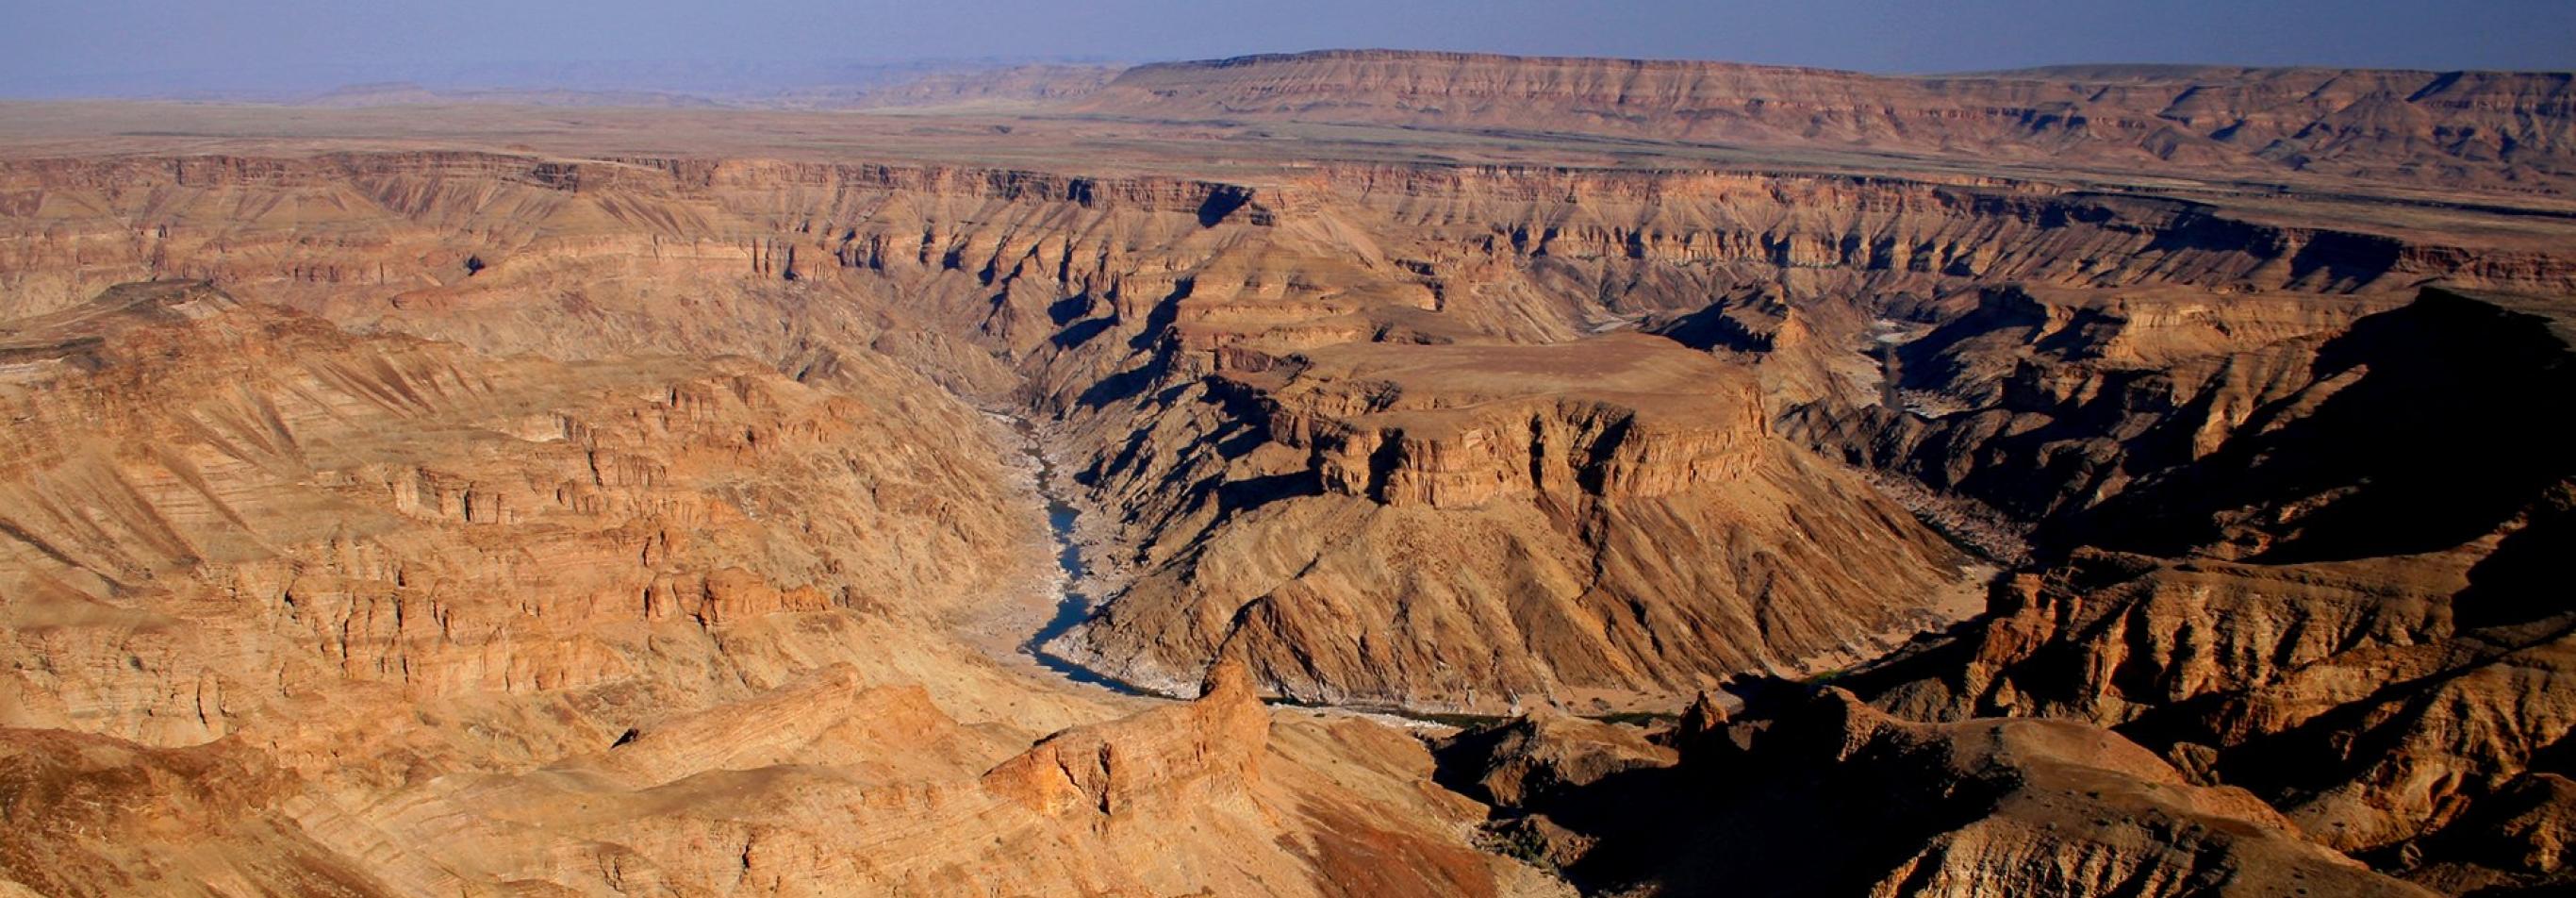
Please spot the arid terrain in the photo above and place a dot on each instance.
(1349, 473)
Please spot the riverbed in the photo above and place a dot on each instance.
(1071, 606)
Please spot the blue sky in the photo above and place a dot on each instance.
(89, 46)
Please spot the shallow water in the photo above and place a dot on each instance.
(1071, 608)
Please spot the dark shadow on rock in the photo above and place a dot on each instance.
(1221, 202)
(1080, 333)
(2459, 411)
(1069, 309)
(1165, 311)
(2525, 580)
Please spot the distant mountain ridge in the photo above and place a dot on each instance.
(2500, 131)
(2490, 132)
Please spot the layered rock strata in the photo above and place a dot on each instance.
(1605, 521)
(292, 610)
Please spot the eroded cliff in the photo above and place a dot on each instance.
(2383, 657)
(295, 610)
(1605, 522)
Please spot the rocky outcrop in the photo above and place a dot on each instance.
(1207, 751)
(1622, 417)
(2047, 402)
(2025, 807)
(2150, 833)
(2513, 843)
(1527, 768)
(218, 513)
(2163, 423)
(1531, 762)
(2376, 701)
(2417, 429)
(94, 815)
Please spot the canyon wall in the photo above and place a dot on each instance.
(1600, 523)
(291, 609)
(1153, 313)
(2344, 603)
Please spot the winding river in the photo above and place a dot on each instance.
(1072, 607)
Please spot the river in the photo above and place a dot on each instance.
(1072, 607)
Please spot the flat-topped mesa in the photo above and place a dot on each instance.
(1626, 416)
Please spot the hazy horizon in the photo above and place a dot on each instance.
(158, 48)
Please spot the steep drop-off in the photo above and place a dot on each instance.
(1596, 523)
(2046, 402)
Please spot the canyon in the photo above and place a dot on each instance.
(1352, 473)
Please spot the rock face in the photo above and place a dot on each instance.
(1471, 527)
(1535, 761)
(1206, 752)
(1617, 418)
(2384, 662)
(2381, 703)
(2501, 130)
(1530, 767)
(2162, 423)
(2401, 442)
(2046, 403)
(94, 815)
(2021, 807)
(219, 513)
